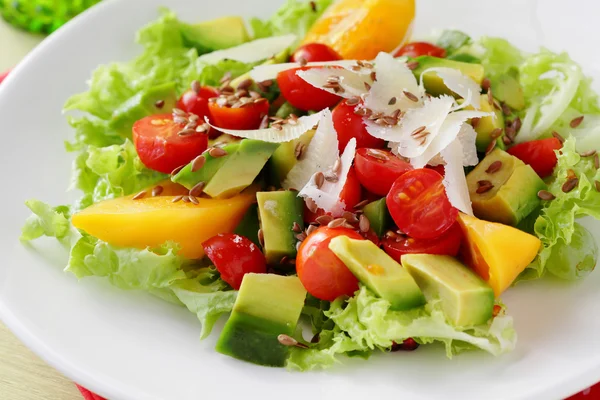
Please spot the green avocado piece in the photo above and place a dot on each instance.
(284, 158)
(464, 57)
(434, 85)
(216, 34)
(379, 272)
(508, 90)
(278, 59)
(249, 225)
(240, 169)
(487, 125)
(378, 216)
(143, 104)
(466, 299)
(287, 109)
(190, 179)
(513, 195)
(267, 306)
(278, 211)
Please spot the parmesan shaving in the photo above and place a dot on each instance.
(254, 51)
(270, 71)
(455, 181)
(352, 83)
(460, 84)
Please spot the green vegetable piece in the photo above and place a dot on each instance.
(278, 59)
(466, 299)
(143, 104)
(217, 34)
(452, 40)
(279, 212)
(508, 90)
(190, 179)
(240, 169)
(378, 216)
(488, 125)
(574, 260)
(285, 157)
(249, 225)
(286, 110)
(513, 195)
(434, 85)
(267, 306)
(464, 57)
(379, 272)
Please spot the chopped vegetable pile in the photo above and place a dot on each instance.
(323, 168)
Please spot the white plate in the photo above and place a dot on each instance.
(131, 346)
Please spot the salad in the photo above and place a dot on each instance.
(325, 171)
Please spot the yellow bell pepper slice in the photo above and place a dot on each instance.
(498, 253)
(360, 29)
(152, 221)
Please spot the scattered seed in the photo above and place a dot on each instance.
(490, 147)
(245, 84)
(588, 153)
(506, 140)
(331, 177)
(226, 77)
(575, 122)
(558, 136)
(412, 65)
(352, 101)
(140, 195)
(516, 124)
(494, 167)
(177, 111)
(336, 223)
(290, 341)
(361, 111)
(261, 238)
(484, 186)
(186, 199)
(363, 223)
(310, 229)
(496, 133)
(301, 236)
(193, 200)
(391, 235)
(367, 86)
(299, 150)
(157, 190)
(374, 76)
(319, 179)
(277, 127)
(337, 166)
(217, 152)
(313, 6)
(177, 170)
(510, 132)
(392, 101)
(396, 114)
(159, 104)
(496, 105)
(178, 119)
(545, 195)
(475, 122)
(324, 219)
(378, 154)
(197, 189)
(198, 163)
(350, 217)
(485, 84)
(296, 227)
(176, 199)
(506, 109)
(264, 123)
(490, 96)
(410, 96)
(596, 161)
(361, 204)
(570, 185)
(311, 205)
(597, 184)
(196, 86)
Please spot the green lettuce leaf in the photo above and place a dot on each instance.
(568, 250)
(497, 56)
(46, 221)
(295, 16)
(365, 323)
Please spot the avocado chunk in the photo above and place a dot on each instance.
(240, 169)
(378, 272)
(217, 34)
(378, 216)
(143, 104)
(249, 225)
(433, 83)
(486, 125)
(279, 58)
(508, 90)
(278, 212)
(189, 179)
(267, 306)
(466, 299)
(285, 157)
(513, 194)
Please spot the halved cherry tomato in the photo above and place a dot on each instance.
(351, 195)
(313, 52)
(446, 244)
(438, 168)
(234, 256)
(539, 154)
(377, 170)
(159, 145)
(197, 103)
(246, 117)
(416, 49)
(323, 274)
(3, 75)
(302, 94)
(348, 125)
(419, 206)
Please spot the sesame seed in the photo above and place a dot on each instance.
(217, 152)
(575, 122)
(187, 132)
(361, 111)
(545, 195)
(392, 101)
(140, 195)
(494, 167)
(157, 190)
(558, 136)
(570, 184)
(203, 128)
(410, 96)
(245, 84)
(178, 119)
(302, 61)
(517, 124)
(396, 113)
(506, 140)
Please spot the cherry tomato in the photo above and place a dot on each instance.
(234, 256)
(377, 170)
(539, 154)
(246, 117)
(3, 75)
(197, 103)
(302, 94)
(160, 147)
(438, 168)
(313, 52)
(351, 195)
(588, 394)
(349, 125)
(418, 204)
(447, 244)
(323, 274)
(417, 49)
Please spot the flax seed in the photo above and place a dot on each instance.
(319, 179)
(197, 189)
(558, 136)
(545, 195)
(410, 96)
(363, 223)
(217, 152)
(140, 195)
(575, 122)
(157, 190)
(336, 223)
(494, 167)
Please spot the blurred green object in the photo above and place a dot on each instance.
(42, 16)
